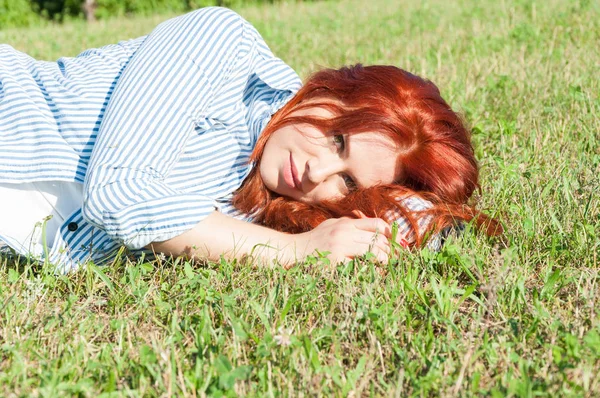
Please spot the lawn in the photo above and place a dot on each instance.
(514, 316)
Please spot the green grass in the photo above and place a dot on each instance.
(515, 317)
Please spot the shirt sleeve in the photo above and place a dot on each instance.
(405, 230)
(165, 89)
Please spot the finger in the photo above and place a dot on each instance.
(382, 257)
(379, 255)
(374, 225)
(378, 247)
(362, 237)
(359, 214)
(383, 244)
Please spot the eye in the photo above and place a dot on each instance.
(339, 141)
(349, 182)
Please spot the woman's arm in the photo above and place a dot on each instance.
(219, 234)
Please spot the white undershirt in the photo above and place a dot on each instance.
(24, 207)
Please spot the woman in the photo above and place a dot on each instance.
(147, 144)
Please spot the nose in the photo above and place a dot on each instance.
(319, 169)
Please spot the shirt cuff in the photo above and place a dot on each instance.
(405, 230)
(156, 220)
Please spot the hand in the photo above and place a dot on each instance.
(346, 238)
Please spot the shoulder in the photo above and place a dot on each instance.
(221, 23)
(210, 37)
(220, 14)
(211, 30)
(208, 19)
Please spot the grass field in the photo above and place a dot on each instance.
(518, 316)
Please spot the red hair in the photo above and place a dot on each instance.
(436, 159)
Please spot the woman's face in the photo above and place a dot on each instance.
(302, 163)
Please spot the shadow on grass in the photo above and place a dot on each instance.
(11, 260)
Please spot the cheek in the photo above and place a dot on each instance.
(325, 191)
(268, 167)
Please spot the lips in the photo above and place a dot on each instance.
(297, 182)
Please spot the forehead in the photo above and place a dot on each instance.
(373, 159)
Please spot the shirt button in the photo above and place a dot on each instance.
(72, 226)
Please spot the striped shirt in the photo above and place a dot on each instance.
(159, 129)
